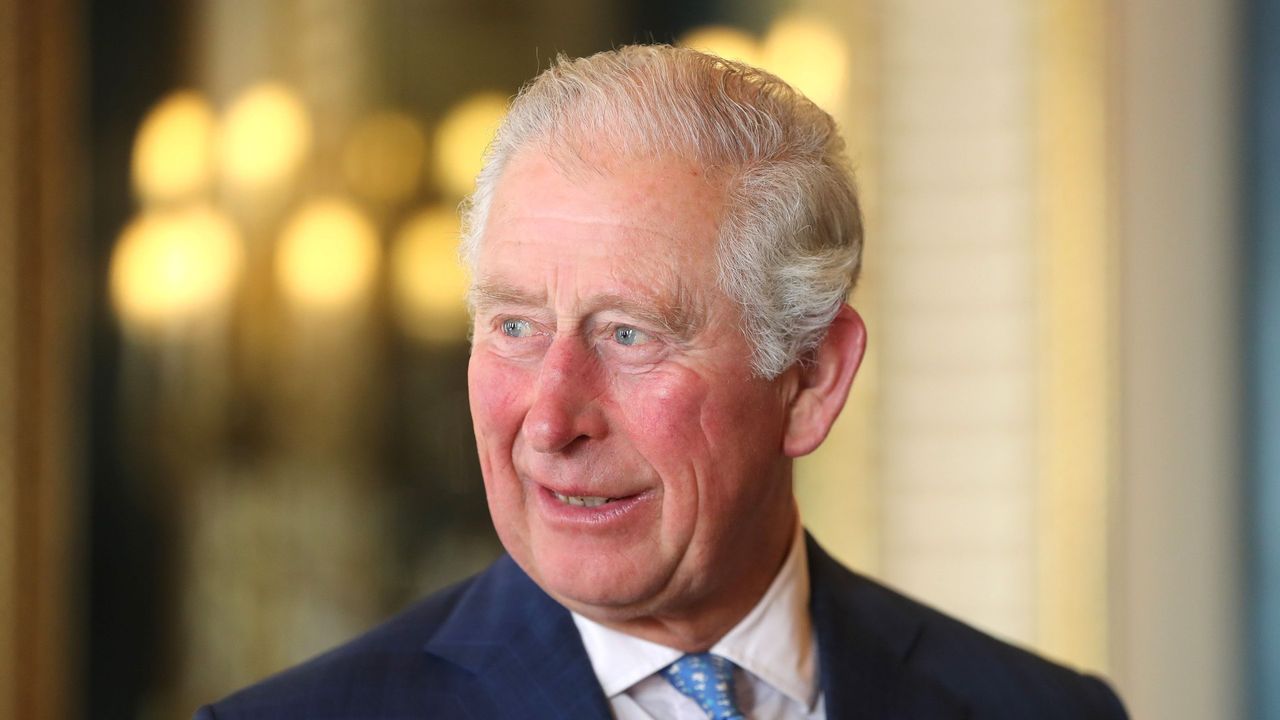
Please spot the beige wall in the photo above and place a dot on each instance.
(1178, 549)
(1077, 336)
(959, 413)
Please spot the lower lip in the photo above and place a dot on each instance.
(608, 515)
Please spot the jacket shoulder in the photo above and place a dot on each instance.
(991, 678)
(998, 679)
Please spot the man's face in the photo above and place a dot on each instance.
(632, 461)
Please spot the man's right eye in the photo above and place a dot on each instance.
(516, 328)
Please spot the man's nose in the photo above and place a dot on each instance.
(566, 406)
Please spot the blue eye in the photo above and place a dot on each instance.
(626, 335)
(516, 328)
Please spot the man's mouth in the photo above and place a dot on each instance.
(583, 500)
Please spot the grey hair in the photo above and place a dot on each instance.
(791, 235)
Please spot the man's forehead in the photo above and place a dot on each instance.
(538, 170)
(647, 217)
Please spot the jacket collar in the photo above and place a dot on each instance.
(865, 640)
(521, 648)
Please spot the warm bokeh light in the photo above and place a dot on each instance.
(809, 55)
(461, 139)
(328, 255)
(727, 42)
(265, 136)
(428, 282)
(169, 266)
(172, 152)
(383, 158)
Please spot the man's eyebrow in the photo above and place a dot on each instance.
(676, 316)
(488, 294)
(679, 316)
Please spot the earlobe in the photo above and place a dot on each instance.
(824, 384)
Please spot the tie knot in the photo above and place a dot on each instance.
(708, 680)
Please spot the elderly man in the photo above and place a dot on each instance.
(662, 243)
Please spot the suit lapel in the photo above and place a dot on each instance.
(521, 653)
(863, 647)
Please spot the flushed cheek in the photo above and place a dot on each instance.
(707, 439)
(662, 425)
(499, 397)
(742, 426)
(662, 412)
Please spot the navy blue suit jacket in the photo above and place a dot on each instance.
(497, 646)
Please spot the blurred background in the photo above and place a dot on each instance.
(233, 417)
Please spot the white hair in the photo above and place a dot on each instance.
(791, 235)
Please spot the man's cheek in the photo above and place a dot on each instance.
(499, 396)
(663, 410)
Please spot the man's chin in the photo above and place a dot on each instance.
(604, 594)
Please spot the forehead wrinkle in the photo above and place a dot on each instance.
(642, 231)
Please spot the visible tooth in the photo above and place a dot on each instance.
(581, 500)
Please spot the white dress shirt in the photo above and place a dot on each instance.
(773, 648)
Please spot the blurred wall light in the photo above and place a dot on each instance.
(328, 255)
(172, 154)
(428, 282)
(461, 138)
(727, 42)
(384, 157)
(809, 55)
(171, 266)
(265, 136)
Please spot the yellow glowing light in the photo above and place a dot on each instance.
(728, 42)
(170, 266)
(384, 156)
(328, 255)
(461, 139)
(265, 136)
(810, 56)
(171, 154)
(428, 283)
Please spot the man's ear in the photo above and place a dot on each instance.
(824, 384)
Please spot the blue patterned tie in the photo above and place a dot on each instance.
(708, 679)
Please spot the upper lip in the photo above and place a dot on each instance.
(585, 480)
(581, 491)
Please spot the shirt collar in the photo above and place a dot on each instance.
(621, 660)
(774, 642)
